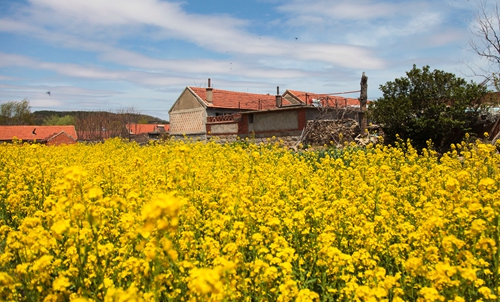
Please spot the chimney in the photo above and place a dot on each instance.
(278, 97)
(209, 92)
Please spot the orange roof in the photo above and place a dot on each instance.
(30, 133)
(325, 99)
(146, 128)
(237, 100)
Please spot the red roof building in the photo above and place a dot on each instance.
(195, 105)
(147, 128)
(50, 135)
(225, 99)
(199, 111)
(323, 100)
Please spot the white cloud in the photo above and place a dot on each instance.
(221, 34)
(154, 73)
(341, 55)
(51, 36)
(6, 78)
(341, 10)
(447, 36)
(133, 46)
(388, 33)
(380, 24)
(162, 14)
(15, 60)
(45, 103)
(193, 66)
(8, 25)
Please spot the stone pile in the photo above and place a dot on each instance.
(336, 132)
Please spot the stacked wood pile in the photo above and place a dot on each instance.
(336, 132)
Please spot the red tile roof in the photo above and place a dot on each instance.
(324, 99)
(146, 128)
(31, 133)
(237, 100)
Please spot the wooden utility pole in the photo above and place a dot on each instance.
(363, 98)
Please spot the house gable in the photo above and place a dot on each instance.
(60, 139)
(187, 100)
(188, 114)
(292, 98)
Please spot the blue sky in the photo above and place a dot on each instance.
(141, 54)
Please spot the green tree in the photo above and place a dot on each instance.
(56, 120)
(429, 105)
(16, 113)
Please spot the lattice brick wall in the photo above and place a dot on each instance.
(187, 122)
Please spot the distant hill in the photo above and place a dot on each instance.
(40, 116)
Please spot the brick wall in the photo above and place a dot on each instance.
(187, 121)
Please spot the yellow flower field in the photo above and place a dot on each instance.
(201, 221)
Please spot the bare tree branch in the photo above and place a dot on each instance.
(486, 43)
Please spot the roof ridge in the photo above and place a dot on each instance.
(232, 91)
(326, 94)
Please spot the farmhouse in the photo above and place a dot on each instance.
(135, 129)
(142, 133)
(206, 112)
(49, 135)
(189, 113)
